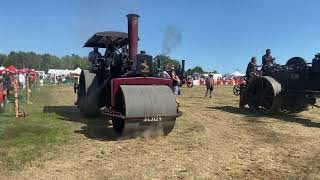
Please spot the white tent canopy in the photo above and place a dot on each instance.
(234, 74)
(237, 73)
(59, 72)
(77, 71)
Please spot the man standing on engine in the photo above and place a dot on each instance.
(267, 59)
(93, 58)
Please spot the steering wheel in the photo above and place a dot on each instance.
(236, 90)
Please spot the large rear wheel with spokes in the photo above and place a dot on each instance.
(264, 95)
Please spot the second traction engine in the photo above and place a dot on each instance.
(292, 87)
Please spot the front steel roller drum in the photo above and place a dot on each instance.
(263, 95)
(147, 108)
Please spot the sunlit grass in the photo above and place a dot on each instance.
(25, 140)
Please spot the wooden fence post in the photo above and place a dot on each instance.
(15, 95)
(27, 88)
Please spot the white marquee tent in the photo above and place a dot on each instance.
(59, 72)
(77, 71)
(237, 74)
(234, 74)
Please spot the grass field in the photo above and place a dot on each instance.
(214, 139)
(25, 140)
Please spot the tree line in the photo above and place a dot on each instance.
(44, 62)
(168, 61)
(199, 69)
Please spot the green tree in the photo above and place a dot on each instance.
(43, 61)
(167, 61)
(3, 60)
(197, 69)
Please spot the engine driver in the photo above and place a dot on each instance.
(252, 68)
(93, 58)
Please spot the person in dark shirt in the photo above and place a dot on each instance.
(93, 58)
(7, 82)
(252, 67)
(209, 85)
(267, 59)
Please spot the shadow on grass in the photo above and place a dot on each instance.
(281, 116)
(192, 97)
(95, 128)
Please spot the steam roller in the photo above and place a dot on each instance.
(124, 85)
(290, 88)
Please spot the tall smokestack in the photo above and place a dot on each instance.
(133, 35)
(159, 64)
(183, 66)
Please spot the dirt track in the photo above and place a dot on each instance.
(212, 140)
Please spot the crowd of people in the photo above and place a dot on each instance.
(57, 79)
(7, 82)
(170, 73)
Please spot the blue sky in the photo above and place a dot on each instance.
(216, 34)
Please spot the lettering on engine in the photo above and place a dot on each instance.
(152, 119)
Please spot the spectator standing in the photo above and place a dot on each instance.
(209, 85)
(7, 83)
(176, 81)
(22, 80)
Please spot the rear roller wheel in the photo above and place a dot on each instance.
(118, 125)
(264, 95)
(90, 106)
(88, 94)
(294, 103)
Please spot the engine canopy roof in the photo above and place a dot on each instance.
(103, 39)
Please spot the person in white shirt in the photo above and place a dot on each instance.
(165, 74)
(22, 80)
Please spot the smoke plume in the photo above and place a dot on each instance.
(172, 39)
